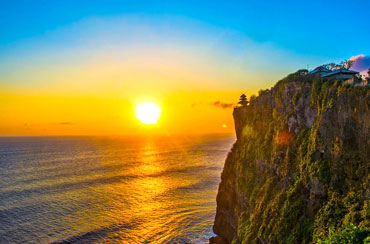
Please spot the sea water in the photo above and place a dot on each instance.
(110, 190)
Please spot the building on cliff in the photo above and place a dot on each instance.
(344, 75)
(319, 71)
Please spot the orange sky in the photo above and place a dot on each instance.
(84, 80)
(182, 112)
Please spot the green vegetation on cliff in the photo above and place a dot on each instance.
(300, 169)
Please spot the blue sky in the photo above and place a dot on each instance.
(254, 43)
(82, 62)
(336, 29)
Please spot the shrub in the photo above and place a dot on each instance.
(351, 234)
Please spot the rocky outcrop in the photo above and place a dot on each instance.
(301, 158)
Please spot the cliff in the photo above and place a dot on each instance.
(300, 168)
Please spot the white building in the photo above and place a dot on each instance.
(344, 75)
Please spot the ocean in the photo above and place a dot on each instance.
(110, 189)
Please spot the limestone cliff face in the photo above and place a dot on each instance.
(300, 165)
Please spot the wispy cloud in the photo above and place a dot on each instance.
(222, 105)
(65, 123)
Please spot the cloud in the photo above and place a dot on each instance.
(361, 63)
(65, 123)
(222, 105)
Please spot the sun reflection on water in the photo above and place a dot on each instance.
(155, 209)
(117, 191)
(149, 162)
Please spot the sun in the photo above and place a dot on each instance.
(148, 113)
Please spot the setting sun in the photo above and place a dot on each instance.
(148, 113)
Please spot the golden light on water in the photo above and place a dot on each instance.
(148, 113)
(129, 189)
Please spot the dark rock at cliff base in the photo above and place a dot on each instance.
(299, 171)
(217, 240)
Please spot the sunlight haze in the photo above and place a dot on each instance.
(85, 75)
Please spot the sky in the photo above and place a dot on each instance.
(81, 67)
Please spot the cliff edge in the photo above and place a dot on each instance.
(300, 168)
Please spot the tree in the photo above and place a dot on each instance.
(243, 100)
(346, 64)
(351, 234)
(329, 66)
(359, 77)
(368, 72)
(349, 64)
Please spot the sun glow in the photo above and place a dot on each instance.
(148, 113)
